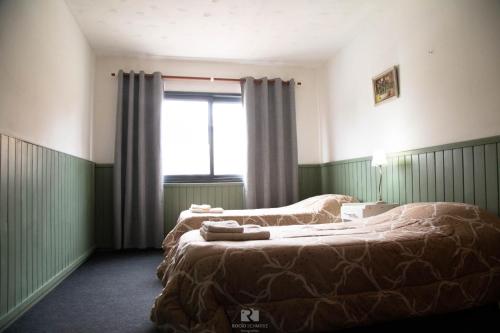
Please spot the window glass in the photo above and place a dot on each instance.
(185, 137)
(229, 138)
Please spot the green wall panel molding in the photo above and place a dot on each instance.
(459, 172)
(448, 146)
(179, 197)
(46, 221)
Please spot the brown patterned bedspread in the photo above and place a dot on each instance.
(414, 260)
(315, 210)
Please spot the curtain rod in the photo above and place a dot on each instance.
(203, 78)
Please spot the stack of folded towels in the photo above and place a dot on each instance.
(232, 231)
(205, 209)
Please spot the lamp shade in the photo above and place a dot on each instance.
(379, 158)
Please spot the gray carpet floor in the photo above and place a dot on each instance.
(111, 292)
(114, 291)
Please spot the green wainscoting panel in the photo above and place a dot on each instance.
(46, 221)
(309, 180)
(459, 172)
(179, 197)
(104, 205)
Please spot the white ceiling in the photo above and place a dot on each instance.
(301, 32)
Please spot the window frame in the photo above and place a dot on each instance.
(210, 98)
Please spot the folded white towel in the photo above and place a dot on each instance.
(250, 233)
(215, 210)
(200, 207)
(221, 226)
(195, 210)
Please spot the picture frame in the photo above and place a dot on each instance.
(385, 86)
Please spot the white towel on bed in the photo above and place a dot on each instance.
(217, 210)
(229, 226)
(205, 209)
(200, 207)
(250, 232)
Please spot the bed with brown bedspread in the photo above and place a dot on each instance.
(315, 210)
(414, 260)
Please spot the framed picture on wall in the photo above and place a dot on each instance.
(386, 85)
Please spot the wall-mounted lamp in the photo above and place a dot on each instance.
(378, 160)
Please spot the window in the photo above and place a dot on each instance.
(203, 137)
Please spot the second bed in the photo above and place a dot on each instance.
(315, 210)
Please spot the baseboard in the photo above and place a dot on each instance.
(11, 316)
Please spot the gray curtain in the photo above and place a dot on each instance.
(138, 184)
(272, 167)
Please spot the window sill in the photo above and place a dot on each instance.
(204, 183)
(201, 179)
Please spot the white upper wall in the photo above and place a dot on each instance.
(106, 95)
(46, 76)
(448, 53)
